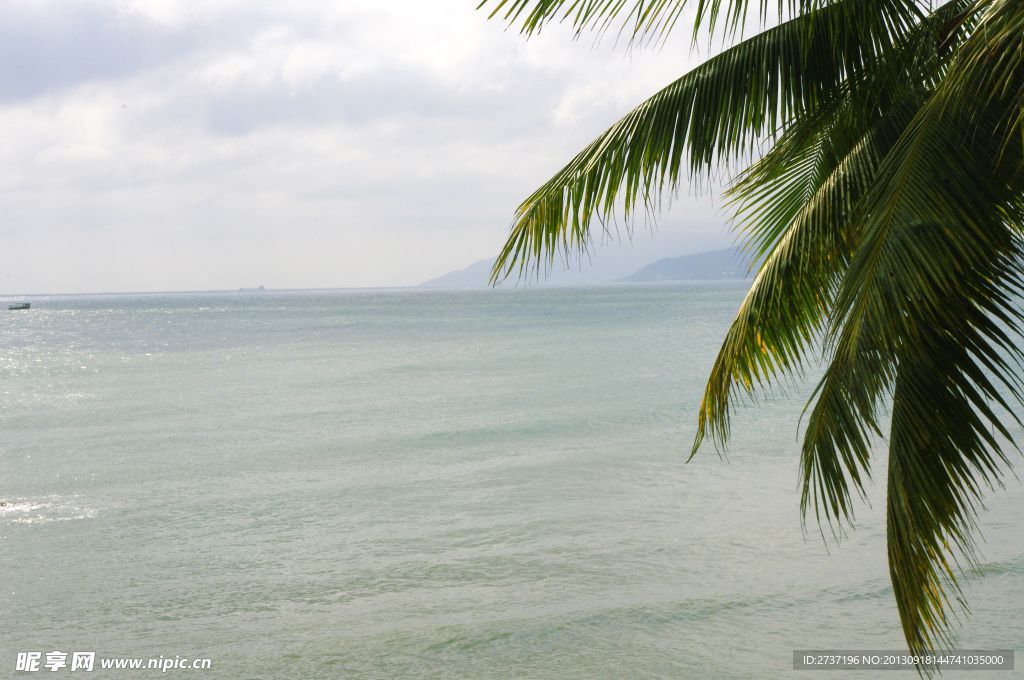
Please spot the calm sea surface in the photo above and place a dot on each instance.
(408, 484)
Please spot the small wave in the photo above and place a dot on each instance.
(42, 510)
(1010, 566)
(468, 643)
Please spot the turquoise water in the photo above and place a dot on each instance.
(406, 484)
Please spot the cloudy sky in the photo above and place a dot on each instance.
(205, 145)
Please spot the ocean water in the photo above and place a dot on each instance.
(409, 484)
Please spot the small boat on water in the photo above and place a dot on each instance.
(20, 305)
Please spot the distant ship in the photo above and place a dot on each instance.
(20, 305)
(251, 289)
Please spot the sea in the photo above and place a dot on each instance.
(406, 483)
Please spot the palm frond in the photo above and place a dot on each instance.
(889, 208)
(990, 60)
(837, 443)
(947, 354)
(941, 455)
(925, 310)
(790, 299)
(798, 201)
(715, 112)
(640, 19)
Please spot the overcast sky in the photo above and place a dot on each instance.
(205, 145)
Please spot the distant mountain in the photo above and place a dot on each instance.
(473, 276)
(728, 263)
(608, 262)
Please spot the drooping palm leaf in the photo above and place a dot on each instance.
(791, 297)
(843, 421)
(925, 311)
(989, 64)
(941, 454)
(643, 18)
(936, 329)
(889, 207)
(646, 16)
(715, 112)
(797, 202)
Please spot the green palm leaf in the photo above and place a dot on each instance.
(888, 207)
(716, 111)
(937, 337)
(924, 310)
(642, 18)
(793, 292)
(797, 203)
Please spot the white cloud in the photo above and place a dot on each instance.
(176, 145)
